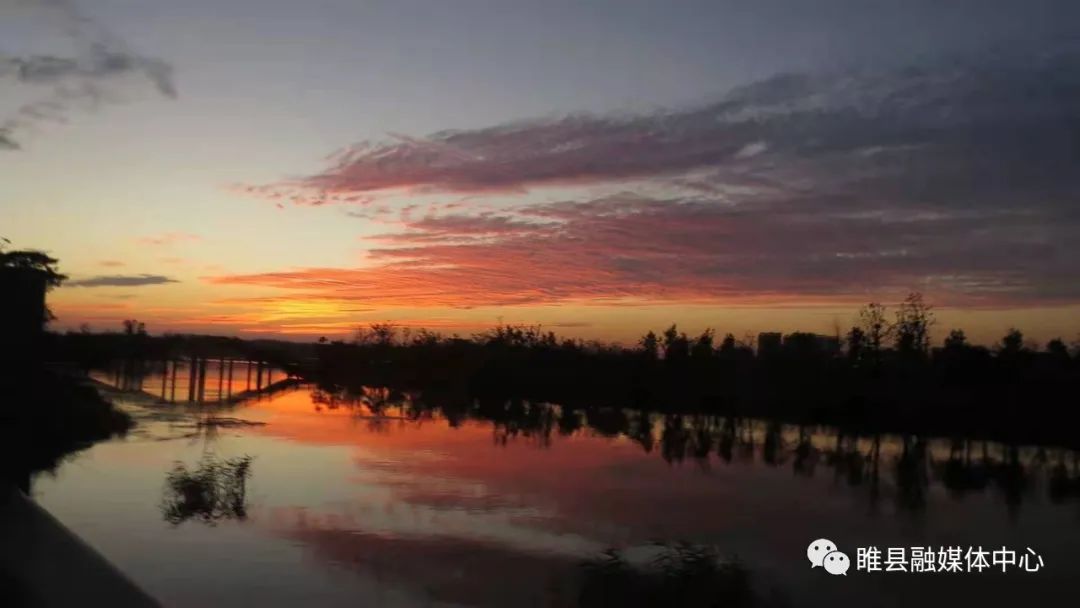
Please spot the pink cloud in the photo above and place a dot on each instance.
(797, 128)
(957, 178)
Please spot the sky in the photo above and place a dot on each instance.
(297, 169)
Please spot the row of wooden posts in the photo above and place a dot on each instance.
(257, 370)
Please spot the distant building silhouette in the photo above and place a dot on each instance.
(805, 343)
(769, 343)
(830, 345)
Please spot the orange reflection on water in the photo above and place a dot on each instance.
(474, 513)
(606, 489)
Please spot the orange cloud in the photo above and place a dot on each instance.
(169, 238)
(641, 250)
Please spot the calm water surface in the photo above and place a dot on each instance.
(373, 500)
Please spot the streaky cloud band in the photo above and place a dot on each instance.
(138, 280)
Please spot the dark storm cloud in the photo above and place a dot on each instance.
(6, 142)
(99, 62)
(977, 113)
(116, 280)
(87, 77)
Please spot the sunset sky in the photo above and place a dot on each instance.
(295, 169)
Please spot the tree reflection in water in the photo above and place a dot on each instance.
(901, 467)
(215, 490)
(667, 575)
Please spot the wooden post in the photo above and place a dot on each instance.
(202, 380)
(164, 377)
(172, 391)
(221, 379)
(249, 375)
(230, 376)
(258, 376)
(193, 373)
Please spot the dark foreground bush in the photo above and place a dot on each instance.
(45, 416)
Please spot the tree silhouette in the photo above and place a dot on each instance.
(650, 345)
(376, 334)
(134, 327)
(912, 328)
(874, 326)
(33, 262)
(728, 345)
(36, 261)
(1057, 349)
(703, 346)
(1012, 344)
(856, 344)
(956, 340)
(676, 345)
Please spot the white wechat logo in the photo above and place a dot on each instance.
(817, 551)
(823, 552)
(837, 563)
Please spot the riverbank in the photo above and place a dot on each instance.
(47, 415)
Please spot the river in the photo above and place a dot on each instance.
(379, 499)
